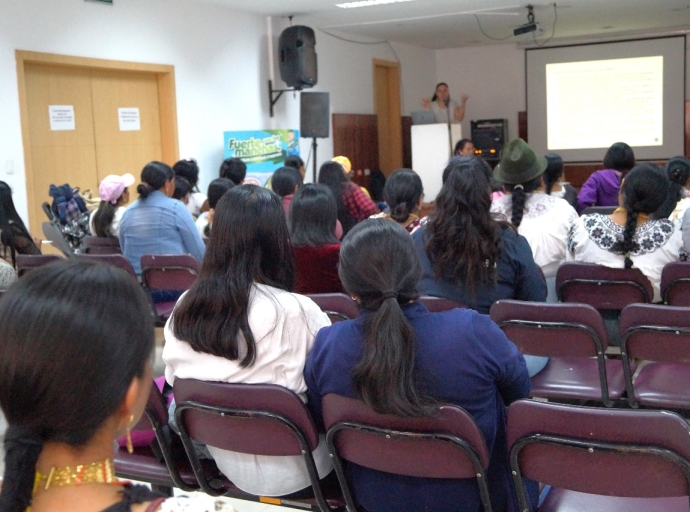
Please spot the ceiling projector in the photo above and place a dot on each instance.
(526, 28)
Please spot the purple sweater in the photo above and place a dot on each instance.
(600, 189)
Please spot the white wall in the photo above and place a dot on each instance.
(220, 60)
(346, 72)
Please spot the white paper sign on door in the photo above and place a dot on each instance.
(129, 119)
(61, 117)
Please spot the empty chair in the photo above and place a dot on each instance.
(171, 272)
(660, 334)
(260, 419)
(675, 283)
(26, 262)
(603, 210)
(117, 260)
(449, 445)
(144, 465)
(589, 455)
(574, 337)
(100, 245)
(338, 306)
(438, 304)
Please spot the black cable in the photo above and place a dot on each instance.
(487, 35)
(553, 28)
(350, 40)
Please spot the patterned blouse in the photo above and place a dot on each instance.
(659, 242)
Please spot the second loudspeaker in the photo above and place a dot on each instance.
(314, 115)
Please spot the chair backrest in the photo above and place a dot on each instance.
(169, 271)
(260, 419)
(656, 333)
(602, 287)
(52, 232)
(416, 447)
(100, 245)
(438, 304)
(552, 330)
(26, 262)
(611, 452)
(675, 283)
(603, 210)
(338, 306)
(47, 210)
(116, 260)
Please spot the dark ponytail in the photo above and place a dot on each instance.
(402, 191)
(518, 194)
(153, 177)
(678, 172)
(103, 218)
(67, 359)
(553, 172)
(643, 191)
(378, 263)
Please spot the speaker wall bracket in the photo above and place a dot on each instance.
(273, 100)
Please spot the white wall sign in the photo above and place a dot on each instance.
(61, 117)
(129, 119)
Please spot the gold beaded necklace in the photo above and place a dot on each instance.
(101, 472)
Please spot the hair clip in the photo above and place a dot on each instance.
(518, 186)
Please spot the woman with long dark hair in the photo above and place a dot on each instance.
(353, 205)
(678, 199)
(445, 109)
(76, 339)
(628, 237)
(400, 359)
(552, 184)
(314, 244)
(189, 170)
(403, 193)
(240, 323)
(157, 224)
(114, 194)
(14, 236)
(469, 254)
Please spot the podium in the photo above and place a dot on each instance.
(431, 153)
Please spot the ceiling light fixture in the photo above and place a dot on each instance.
(369, 3)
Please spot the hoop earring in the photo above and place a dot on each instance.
(128, 436)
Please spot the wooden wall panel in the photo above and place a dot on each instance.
(407, 141)
(356, 137)
(522, 125)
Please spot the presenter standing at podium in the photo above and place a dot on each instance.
(445, 109)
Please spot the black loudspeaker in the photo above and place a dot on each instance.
(314, 115)
(297, 57)
(489, 136)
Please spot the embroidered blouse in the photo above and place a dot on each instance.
(545, 224)
(591, 237)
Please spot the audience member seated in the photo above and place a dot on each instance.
(64, 416)
(293, 161)
(182, 188)
(189, 170)
(14, 236)
(400, 359)
(114, 195)
(314, 244)
(677, 199)
(240, 323)
(542, 219)
(353, 205)
(285, 182)
(234, 169)
(471, 163)
(601, 188)
(468, 254)
(216, 189)
(347, 167)
(403, 193)
(464, 147)
(555, 188)
(628, 237)
(157, 224)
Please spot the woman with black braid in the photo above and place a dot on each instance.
(628, 237)
(543, 219)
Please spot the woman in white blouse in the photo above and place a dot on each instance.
(628, 237)
(544, 220)
(240, 323)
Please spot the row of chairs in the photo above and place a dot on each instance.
(586, 454)
(159, 272)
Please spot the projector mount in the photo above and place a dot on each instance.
(530, 26)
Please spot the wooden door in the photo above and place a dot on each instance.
(387, 108)
(97, 146)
